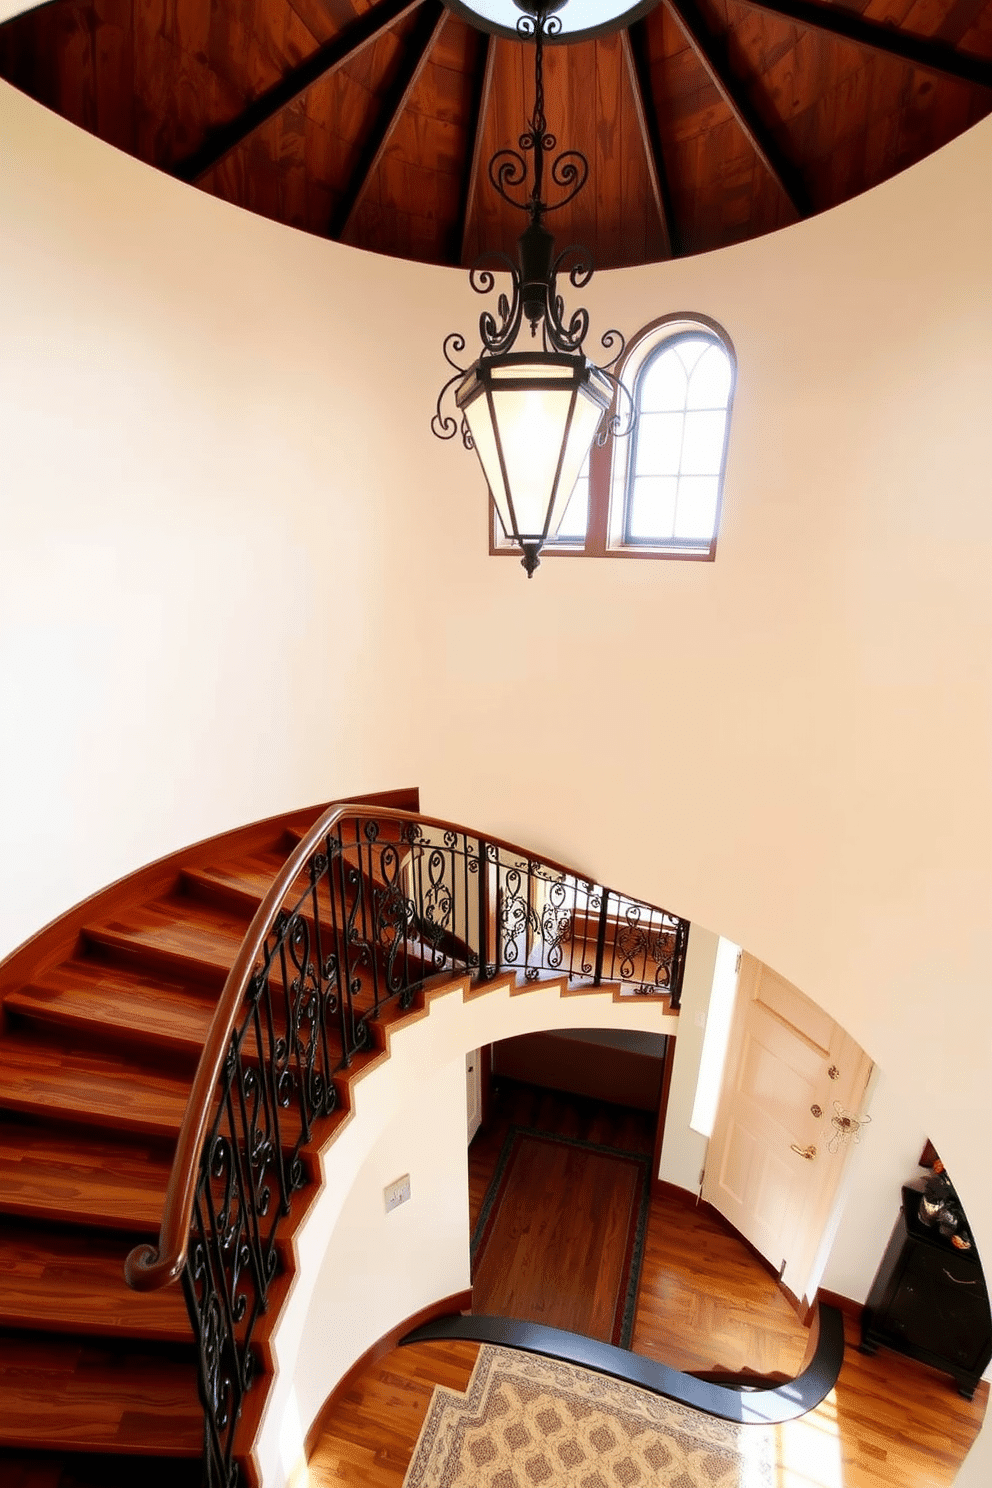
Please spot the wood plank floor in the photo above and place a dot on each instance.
(705, 1303)
(569, 1215)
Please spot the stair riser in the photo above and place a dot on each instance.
(202, 974)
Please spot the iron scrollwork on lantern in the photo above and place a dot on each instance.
(532, 459)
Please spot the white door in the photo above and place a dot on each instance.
(777, 1153)
(473, 1091)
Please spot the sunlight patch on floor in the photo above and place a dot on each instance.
(809, 1451)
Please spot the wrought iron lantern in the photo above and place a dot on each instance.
(532, 416)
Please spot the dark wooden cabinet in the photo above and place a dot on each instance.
(929, 1301)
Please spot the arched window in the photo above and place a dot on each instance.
(674, 475)
(658, 492)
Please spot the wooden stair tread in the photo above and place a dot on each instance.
(179, 933)
(89, 994)
(82, 1178)
(72, 1396)
(246, 881)
(245, 884)
(42, 1077)
(203, 944)
(74, 1283)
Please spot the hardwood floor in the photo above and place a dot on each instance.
(569, 1214)
(705, 1303)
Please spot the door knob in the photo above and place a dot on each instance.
(807, 1152)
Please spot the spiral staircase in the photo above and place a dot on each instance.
(105, 1016)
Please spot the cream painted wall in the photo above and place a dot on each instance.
(883, 1160)
(196, 489)
(378, 1268)
(683, 1151)
(196, 627)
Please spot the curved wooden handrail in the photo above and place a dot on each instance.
(149, 1267)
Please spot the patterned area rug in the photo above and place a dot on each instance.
(527, 1422)
(577, 1237)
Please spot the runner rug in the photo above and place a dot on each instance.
(527, 1422)
(560, 1236)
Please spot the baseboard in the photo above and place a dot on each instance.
(458, 1302)
(687, 1197)
(852, 1310)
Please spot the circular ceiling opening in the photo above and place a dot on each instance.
(579, 20)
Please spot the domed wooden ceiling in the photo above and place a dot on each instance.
(371, 121)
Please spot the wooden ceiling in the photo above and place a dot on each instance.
(371, 121)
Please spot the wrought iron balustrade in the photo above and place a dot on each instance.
(372, 905)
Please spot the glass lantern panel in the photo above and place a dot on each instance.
(585, 421)
(531, 427)
(574, 523)
(484, 437)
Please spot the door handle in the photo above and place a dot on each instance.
(809, 1153)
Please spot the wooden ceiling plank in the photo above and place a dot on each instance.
(432, 18)
(482, 87)
(922, 51)
(327, 59)
(713, 56)
(635, 50)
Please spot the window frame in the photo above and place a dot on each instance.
(611, 464)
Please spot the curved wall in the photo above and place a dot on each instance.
(196, 581)
(361, 1271)
(225, 589)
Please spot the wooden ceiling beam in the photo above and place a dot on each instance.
(430, 22)
(936, 56)
(350, 40)
(712, 53)
(482, 87)
(635, 51)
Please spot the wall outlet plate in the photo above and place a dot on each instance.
(397, 1192)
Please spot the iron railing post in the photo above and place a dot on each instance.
(485, 929)
(601, 938)
(678, 963)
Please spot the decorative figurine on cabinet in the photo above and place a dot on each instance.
(929, 1298)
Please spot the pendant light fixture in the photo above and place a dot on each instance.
(531, 415)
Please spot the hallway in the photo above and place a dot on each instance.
(704, 1303)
